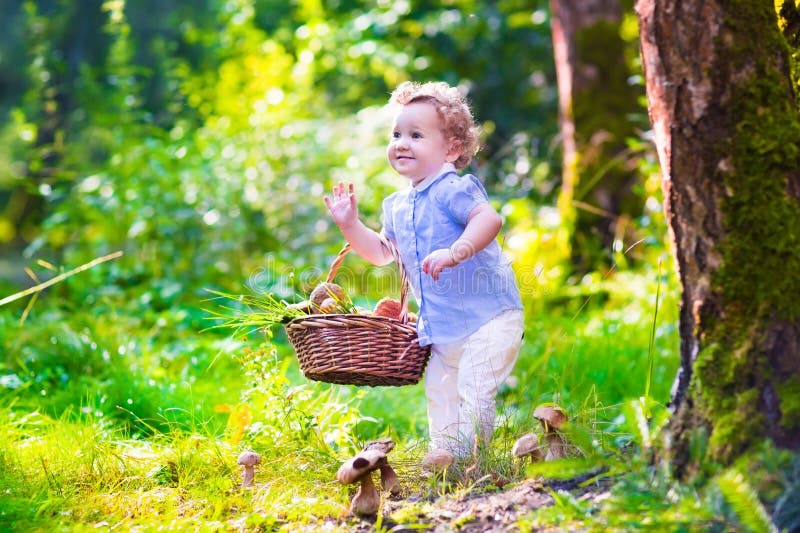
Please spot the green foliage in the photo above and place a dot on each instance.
(308, 419)
(139, 370)
(744, 501)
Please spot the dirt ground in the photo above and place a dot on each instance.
(477, 510)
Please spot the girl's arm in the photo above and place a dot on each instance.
(343, 208)
(483, 225)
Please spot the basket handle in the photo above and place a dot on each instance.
(403, 274)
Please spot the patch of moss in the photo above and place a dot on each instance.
(789, 394)
(737, 429)
(726, 389)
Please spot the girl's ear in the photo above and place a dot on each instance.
(453, 151)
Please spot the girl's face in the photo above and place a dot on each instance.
(417, 146)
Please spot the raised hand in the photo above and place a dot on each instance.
(342, 205)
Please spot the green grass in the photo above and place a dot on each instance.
(121, 418)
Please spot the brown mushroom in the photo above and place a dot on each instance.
(527, 446)
(366, 501)
(388, 307)
(437, 460)
(552, 419)
(384, 445)
(354, 469)
(389, 479)
(303, 307)
(329, 306)
(324, 291)
(248, 460)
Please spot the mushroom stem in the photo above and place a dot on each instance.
(367, 501)
(249, 476)
(557, 446)
(552, 419)
(389, 481)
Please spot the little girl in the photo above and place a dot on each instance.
(470, 310)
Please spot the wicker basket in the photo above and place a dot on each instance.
(352, 349)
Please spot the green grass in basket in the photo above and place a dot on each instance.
(258, 311)
(248, 311)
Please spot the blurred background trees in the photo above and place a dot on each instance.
(202, 124)
(199, 136)
(599, 115)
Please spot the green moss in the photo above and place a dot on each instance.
(789, 394)
(724, 393)
(737, 429)
(762, 220)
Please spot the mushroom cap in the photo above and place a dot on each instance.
(362, 464)
(388, 307)
(248, 458)
(324, 291)
(437, 459)
(526, 445)
(553, 415)
(384, 445)
(303, 307)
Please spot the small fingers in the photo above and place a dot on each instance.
(339, 190)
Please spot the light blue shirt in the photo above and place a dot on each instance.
(431, 216)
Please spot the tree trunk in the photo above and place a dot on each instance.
(725, 120)
(595, 102)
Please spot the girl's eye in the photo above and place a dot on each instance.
(416, 135)
(395, 135)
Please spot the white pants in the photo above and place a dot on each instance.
(461, 382)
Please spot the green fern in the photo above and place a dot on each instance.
(744, 501)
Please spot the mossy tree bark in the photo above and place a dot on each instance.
(722, 103)
(595, 101)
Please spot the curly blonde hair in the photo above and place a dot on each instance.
(451, 106)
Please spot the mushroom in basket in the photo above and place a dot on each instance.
(391, 308)
(325, 298)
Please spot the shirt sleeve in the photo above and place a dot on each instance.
(386, 219)
(459, 195)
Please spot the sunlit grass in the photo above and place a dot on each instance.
(63, 473)
(172, 465)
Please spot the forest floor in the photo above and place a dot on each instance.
(478, 511)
